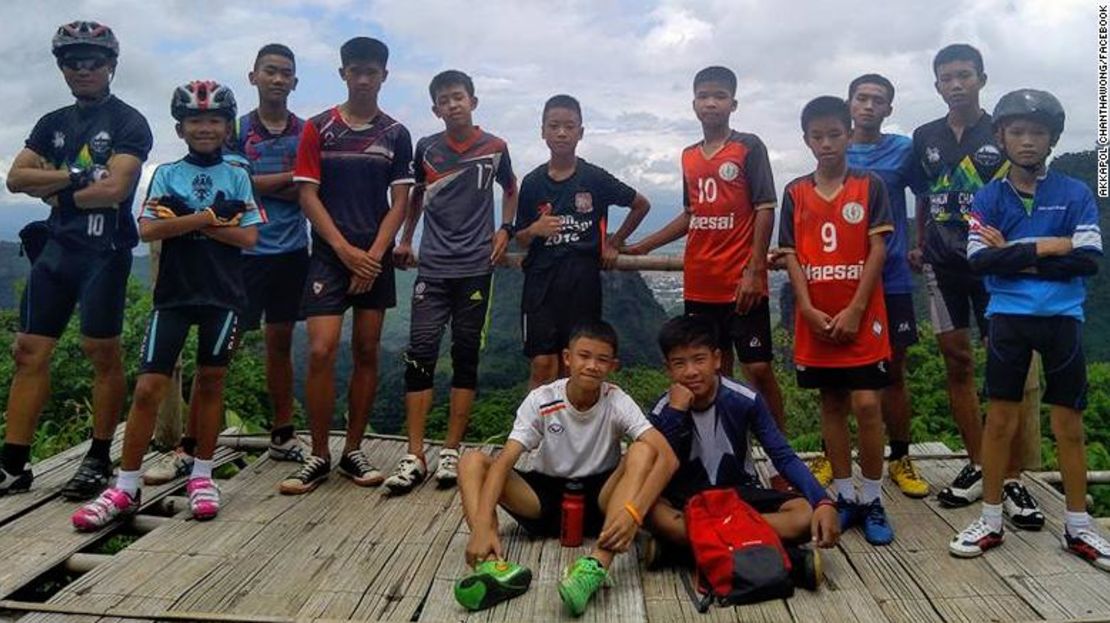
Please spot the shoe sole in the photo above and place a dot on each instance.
(496, 592)
(300, 489)
(947, 502)
(965, 554)
(376, 481)
(14, 490)
(446, 483)
(1086, 560)
(1027, 528)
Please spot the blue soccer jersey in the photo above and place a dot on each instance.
(268, 153)
(893, 161)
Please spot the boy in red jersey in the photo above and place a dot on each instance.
(729, 200)
(832, 231)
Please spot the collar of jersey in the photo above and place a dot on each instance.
(203, 160)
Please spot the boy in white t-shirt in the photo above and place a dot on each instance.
(576, 424)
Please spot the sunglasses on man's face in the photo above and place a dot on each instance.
(85, 63)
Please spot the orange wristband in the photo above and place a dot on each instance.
(635, 513)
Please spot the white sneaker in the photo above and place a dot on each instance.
(1090, 546)
(292, 450)
(447, 468)
(171, 466)
(975, 539)
(410, 472)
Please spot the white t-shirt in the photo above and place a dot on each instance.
(572, 443)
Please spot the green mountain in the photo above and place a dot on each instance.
(627, 303)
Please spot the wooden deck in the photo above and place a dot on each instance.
(349, 553)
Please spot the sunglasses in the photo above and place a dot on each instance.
(85, 63)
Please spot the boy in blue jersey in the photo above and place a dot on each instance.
(275, 269)
(890, 156)
(1034, 235)
(709, 420)
(265, 141)
(202, 209)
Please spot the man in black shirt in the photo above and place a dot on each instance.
(84, 161)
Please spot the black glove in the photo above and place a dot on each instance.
(227, 209)
(174, 203)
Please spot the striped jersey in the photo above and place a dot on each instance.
(458, 209)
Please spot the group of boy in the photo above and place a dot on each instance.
(843, 239)
(352, 173)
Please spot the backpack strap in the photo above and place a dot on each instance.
(701, 602)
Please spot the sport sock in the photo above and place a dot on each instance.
(845, 488)
(1074, 522)
(128, 482)
(201, 469)
(992, 516)
(869, 490)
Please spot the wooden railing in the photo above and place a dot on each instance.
(171, 416)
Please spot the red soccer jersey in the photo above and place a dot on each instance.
(831, 240)
(720, 194)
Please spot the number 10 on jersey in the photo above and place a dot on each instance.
(96, 225)
(707, 189)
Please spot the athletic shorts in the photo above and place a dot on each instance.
(462, 301)
(62, 278)
(762, 499)
(217, 332)
(953, 298)
(871, 376)
(1059, 340)
(749, 334)
(901, 319)
(325, 288)
(274, 285)
(549, 490)
(557, 299)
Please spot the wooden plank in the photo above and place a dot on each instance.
(1033, 564)
(50, 475)
(43, 538)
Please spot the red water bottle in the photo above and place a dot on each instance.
(574, 515)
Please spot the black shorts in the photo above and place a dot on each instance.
(549, 490)
(1059, 340)
(749, 334)
(555, 300)
(217, 333)
(901, 319)
(954, 298)
(762, 499)
(325, 288)
(62, 278)
(274, 285)
(462, 301)
(871, 376)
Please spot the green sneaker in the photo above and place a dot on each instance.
(492, 582)
(581, 581)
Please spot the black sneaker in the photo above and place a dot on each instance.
(313, 471)
(92, 477)
(1020, 507)
(964, 490)
(805, 567)
(359, 469)
(16, 483)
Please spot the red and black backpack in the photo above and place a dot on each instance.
(738, 556)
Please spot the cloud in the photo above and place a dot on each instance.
(630, 63)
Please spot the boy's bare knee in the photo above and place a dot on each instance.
(474, 461)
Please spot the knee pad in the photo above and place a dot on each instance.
(419, 375)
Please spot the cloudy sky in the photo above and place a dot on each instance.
(630, 63)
